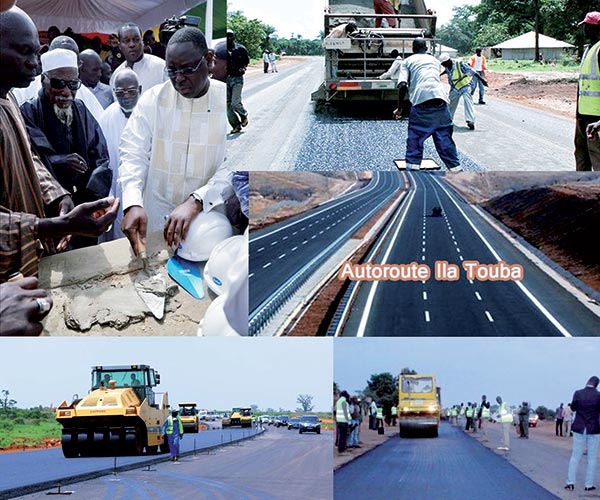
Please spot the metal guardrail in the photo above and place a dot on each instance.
(265, 312)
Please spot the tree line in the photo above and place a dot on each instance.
(491, 22)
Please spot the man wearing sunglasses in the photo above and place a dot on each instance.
(173, 146)
(65, 134)
(89, 99)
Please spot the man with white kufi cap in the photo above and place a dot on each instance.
(65, 134)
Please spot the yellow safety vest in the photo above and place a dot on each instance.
(380, 413)
(459, 77)
(339, 411)
(469, 412)
(505, 416)
(589, 83)
(485, 413)
(170, 425)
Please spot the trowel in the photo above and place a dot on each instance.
(151, 287)
(187, 275)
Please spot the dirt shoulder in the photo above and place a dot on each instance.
(552, 92)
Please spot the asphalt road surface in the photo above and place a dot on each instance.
(285, 133)
(280, 251)
(535, 305)
(451, 467)
(278, 464)
(32, 470)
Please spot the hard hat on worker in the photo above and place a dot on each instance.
(591, 18)
(206, 231)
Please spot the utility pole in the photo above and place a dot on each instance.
(537, 30)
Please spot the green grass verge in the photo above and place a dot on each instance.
(27, 427)
(566, 65)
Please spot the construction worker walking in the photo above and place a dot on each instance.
(173, 429)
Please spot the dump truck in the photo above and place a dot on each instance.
(353, 63)
(241, 417)
(120, 415)
(189, 416)
(419, 405)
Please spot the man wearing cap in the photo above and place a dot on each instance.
(89, 99)
(150, 69)
(65, 134)
(587, 142)
(237, 61)
(462, 79)
(172, 428)
(173, 147)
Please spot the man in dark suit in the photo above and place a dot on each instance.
(586, 432)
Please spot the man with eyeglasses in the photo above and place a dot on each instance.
(150, 69)
(65, 134)
(112, 122)
(173, 146)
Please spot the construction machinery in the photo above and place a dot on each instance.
(241, 417)
(419, 405)
(354, 62)
(119, 416)
(189, 416)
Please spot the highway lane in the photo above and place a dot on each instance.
(280, 463)
(536, 305)
(280, 251)
(23, 470)
(279, 113)
(451, 467)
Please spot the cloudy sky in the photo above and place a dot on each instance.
(306, 17)
(544, 371)
(217, 373)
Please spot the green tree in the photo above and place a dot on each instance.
(383, 388)
(250, 33)
(6, 402)
(461, 30)
(305, 402)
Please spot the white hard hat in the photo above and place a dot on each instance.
(214, 323)
(206, 231)
(216, 270)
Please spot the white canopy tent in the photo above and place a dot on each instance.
(104, 16)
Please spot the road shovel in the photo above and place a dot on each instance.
(151, 287)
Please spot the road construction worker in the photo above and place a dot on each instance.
(342, 418)
(172, 428)
(394, 415)
(524, 420)
(484, 416)
(475, 414)
(469, 415)
(454, 415)
(587, 141)
(380, 419)
(506, 420)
